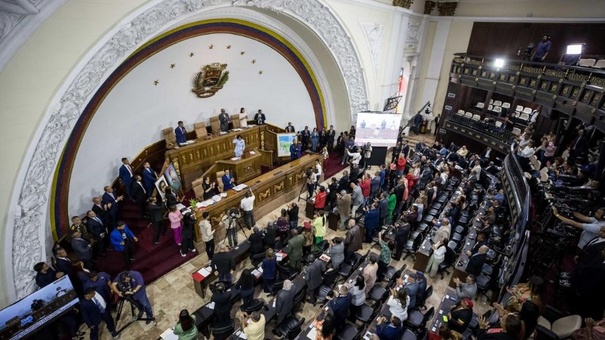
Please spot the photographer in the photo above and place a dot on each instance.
(130, 285)
(230, 221)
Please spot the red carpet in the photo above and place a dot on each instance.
(332, 165)
(152, 261)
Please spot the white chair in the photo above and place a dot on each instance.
(519, 108)
(516, 131)
(563, 327)
(506, 105)
(498, 103)
(468, 115)
(600, 64)
(480, 105)
(491, 101)
(588, 62)
(476, 117)
(527, 110)
(498, 109)
(498, 124)
(524, 116)
(544, 174)
(460, 113)
(490, 107)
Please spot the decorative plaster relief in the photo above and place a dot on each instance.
(374, 33)
(414, 33)
(33, 193)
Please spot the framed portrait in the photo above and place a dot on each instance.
(173, 178)
(161, 184)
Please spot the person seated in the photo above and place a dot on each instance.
(209, 188)
(511, 328)
(388, 329)
(256, 242)
(466, 289)
(181, 133)
(461, 315)
(228, 180)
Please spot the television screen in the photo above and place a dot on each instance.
(36, 310)
(380, 129)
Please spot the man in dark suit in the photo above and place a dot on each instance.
(284, 301)
(149, 178)
(63, 264)
(256, 242)
(588, 277)
(290, 128)
(260, 118)
(126, 175)
(139, 194)
(343, 182)
(100, 210)
(330, 137)
(181, 133)
(411, 288)
(97, 229)
(480, 243)
(156, 217)
(222, 302)
(82, 249)
(314, 278)
(45, 275)
(111, 202)
(388, 330)
(476, 261)
(224, 120)
(340, 306)
(94, 309)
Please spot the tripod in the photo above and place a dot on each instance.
(133, 304)
(233, 223)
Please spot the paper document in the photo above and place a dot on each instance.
(180, 206)
(169, 335)
(312, 335)
(278, 256)
(210, 305)
(240, 187)
(205, 272)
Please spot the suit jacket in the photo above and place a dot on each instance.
(337, 254)
(224, 120)
(256, 243)
(412, 290)
(387, 331)
(91, 315)
(64, 265)
(290, 129)
(460, 320)
(475, 264)
(137, 192)
(227, 182)
(314, 275)
(149, 179)
(125, 175)
(181, 135)
(156, 212)
(101, 213)
(284, 304)
(115, 237)
(223, 263)
(294, 248)
(340, 306)
(82, 249)
(95, 228)
(113, 210)
(353, 239)
(222, 303)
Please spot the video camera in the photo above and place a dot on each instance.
(233, 213)
(309, 172)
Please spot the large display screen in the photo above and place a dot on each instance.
(38, 309)
(380, 129)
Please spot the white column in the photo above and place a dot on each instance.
(394, 60)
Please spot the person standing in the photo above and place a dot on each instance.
(344, 206)
(223, 264)
(260, 118)
(228, 180)
(314, 139)
(97, 229)
(186, 329)
(45, 275)
(353, 239)
(367, 154)
(101, 283)
(356, 197)
(180, 133)
(289, 128)
(336, 251)
(247, 205)
(319, 227)
(126, 175)
(294, 249)
(131, 283)
(176, 223)
(224, 120)
(542, 49)
(245, 285)
(112, 203)
(340, 306)
(284, 301)
(82, 249)
(254, 327)
(122, 240)
(240, 146)
(439, 250)
(207, 234)
(187, 234)
(269, 266)
(314, 279)
(330, 137)
(149, 178)
(94, 309)
(139, 194)
(156, 217)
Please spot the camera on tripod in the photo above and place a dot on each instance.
(309, 173)
(233, 213)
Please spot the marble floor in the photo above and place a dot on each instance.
(174, 291)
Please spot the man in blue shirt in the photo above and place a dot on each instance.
(130, 284)
(542, 49)
(181, 133)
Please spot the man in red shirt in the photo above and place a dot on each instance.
(320, 198)
(401, 161)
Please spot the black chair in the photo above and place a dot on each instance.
(366, 314)
(287, 272)
(423, 334)
(299, 300)
(411, 249)
(421, 304)
(377, 293)
(408, 335)
(460, 229)
(290, 327)
(327, 285)
(487, 269)
(436, 206)
(457, 237)
(253, 306)
(390, 273)
(543, 333)
(453, 245)
(416, 320)
(256, 259)
(349, 332)
(483, 285)
(448, 261)
(442, 198)
(349, 265)
(422, 227)
(222, 330)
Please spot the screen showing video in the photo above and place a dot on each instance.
(36, 310)
(380, 129)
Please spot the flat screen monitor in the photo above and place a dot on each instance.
(37, 310)
(380, 129)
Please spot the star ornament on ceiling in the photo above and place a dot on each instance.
(242, 52)
(254, 61)
(172, 65)
(191, 54)
(211, 47)
(260, 72)
(156, 82)
(228, 47)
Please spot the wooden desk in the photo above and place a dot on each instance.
(243, 169)
(192, 160)
(271, 190)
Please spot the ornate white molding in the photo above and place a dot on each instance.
(374, 33)
(28, 213)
